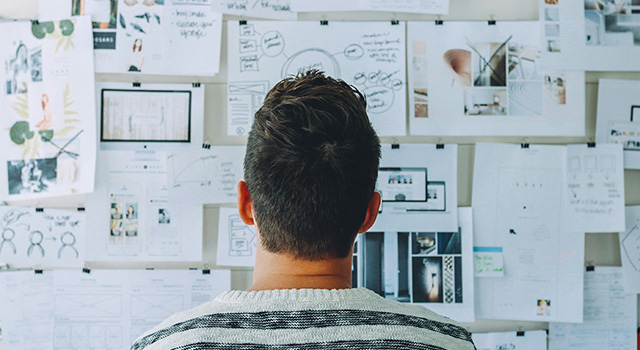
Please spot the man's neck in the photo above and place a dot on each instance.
(278, 271)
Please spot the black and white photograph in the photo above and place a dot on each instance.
(17, 71)
(31, 176)
(164, 218)
(551, 14)
(489, 63)
(35, 62)
(612, 22)
(423, 243)
(449, 243)
(427, 279)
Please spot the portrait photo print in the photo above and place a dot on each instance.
(31, 176)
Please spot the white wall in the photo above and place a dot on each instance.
(601, 248)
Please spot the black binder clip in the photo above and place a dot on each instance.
(206, 145)
(395, 146)
(39, 210)
(35, 22)
(193, 268)
(242, 22)
(395, 22)
(206, 272)
(86, 270)
(591, 144)
(439, 22)
(440, 146)
(81, 209)
(37, 272)
(195, 85)
(520, 334)
(591, 268)
(491, 22)
(136, 84)
(324, 22)
(149, 269)
(524, 145)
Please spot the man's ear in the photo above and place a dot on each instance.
(372, 212)
(244, 204)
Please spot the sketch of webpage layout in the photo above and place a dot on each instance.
(179, 37)
(519, 205)
(610, 315)
(531, 340)
(133, 217)
(595, 188)
(592, 35)
(470, 78)
(103, 309)
(369, 55)
(438, 7)
(237, 242)
(207, 175)
(27, 320)
(418, 186)
(430, 268)
(618, 119)
(43, 237)
(272, 9)
(630, 250)
(48, 138)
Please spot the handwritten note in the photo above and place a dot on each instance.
(488, 262)
(273, 9)
(595, 188)
(190, 26)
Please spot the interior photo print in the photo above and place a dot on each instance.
(612, 22)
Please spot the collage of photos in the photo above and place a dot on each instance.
(416, 267)
(552, 26)
(402, 184)
(612, 22)
(124, 223)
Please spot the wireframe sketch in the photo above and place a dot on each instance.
(631, 247)
(242, 238)
(87, 337)
(262, 53)
(88, 306)
(612, 22)
(156, 306)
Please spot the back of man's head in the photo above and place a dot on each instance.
(311, 167)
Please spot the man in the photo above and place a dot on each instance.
(310, 170)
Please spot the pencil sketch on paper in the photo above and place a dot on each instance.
(242, 238)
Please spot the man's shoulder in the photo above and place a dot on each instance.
(366, 321)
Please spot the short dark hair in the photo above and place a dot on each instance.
(311, 166)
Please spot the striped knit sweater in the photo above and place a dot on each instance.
(317, 319)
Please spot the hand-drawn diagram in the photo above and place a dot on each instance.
(370, 58)
(237, 242)
(46, 237)
(88, 337)
(631, 247)
(207, 176)
(156, 306)
(88, 305)
(242, 238)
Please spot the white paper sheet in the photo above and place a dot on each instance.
(518, 204)
(610, 316)
(369, 55)
(131, 214)
(273, 9)
(470, 78)
(618, 118)
(434, 269)
(206, 175)
(595, 188)
(594, 35)
(50, 237)
(406, 204)
(237, 242)
(27, 315)
(47, 108)
(105, 308)
(440, 7)
(630, 250)
(530, 340)
(180, 37)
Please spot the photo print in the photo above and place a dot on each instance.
(543, 308)
(31, 176)
(124, 223)
(555, 91)
(412, 267)
(612, 22)
(164, 217)
(17, 70)
(490, 80)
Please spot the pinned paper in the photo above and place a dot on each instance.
(488, 262)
